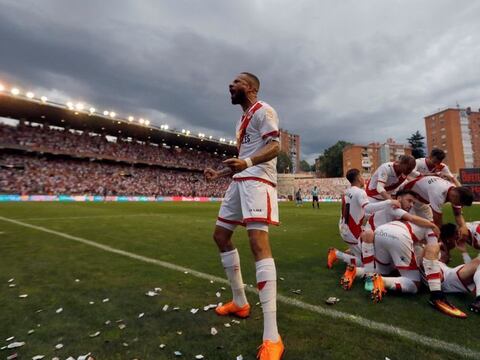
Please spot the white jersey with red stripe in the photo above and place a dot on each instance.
(384, 216)
(386, 175)
(254, 130)
(474, 232)
(353, 213)
(417, 234)
(432, 190)
(422, 168)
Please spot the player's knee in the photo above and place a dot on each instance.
(223, 240)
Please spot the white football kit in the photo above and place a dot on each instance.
(423, 169)
(474, 232)
(432, 190)
(384, 178)
(395, 247)
(384, 216)
(251, 197)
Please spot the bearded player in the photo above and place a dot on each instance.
(251, 201)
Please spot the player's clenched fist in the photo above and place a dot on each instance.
(235, 164)
(210, 174)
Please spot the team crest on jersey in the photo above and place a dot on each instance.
(270, 115)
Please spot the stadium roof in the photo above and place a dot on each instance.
(40, 110)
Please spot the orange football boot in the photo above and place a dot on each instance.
(270, 350)
(440, 302)
(231, 308)
(378, 288)
(348, 277)
(331, 257)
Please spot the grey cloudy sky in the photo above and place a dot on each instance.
(354, 70)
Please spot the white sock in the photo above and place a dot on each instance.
(476, 280)
(401, 284)
(231, 264)
(267, 290)
(368, 257)
(434, 276)
(360, 272)
(346, 258)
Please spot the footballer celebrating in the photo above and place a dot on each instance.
(251, 201)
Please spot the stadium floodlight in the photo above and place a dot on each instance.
(210, 137)
(15, 91)
(147, 122)
(112, 114)
(30, 95)
(131, 118)
(165, 126)
(79, 106)
(92, 110)
(141, 121)
(44, 99)
(2, 87)
(183, 131)
(106, 113)
(70, 105)
(188, 132)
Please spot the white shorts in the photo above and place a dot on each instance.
(451, 282)
(395, 251)
(250, 203)
(353, 244)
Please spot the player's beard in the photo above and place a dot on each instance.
(238, 98)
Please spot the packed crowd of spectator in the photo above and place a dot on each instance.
(30, 175)
(42, 138)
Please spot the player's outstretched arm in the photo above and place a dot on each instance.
(267, 153)
(211, 174)
(417, 220)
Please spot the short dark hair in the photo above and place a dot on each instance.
(352, 175)
(466, 195)
(438, 154)
(253, 78)
(407, 160)
(447, 231)
(405, 192)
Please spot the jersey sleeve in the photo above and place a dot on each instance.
(382, 178)
(268, 125)
(446, 171)
(398, 213)
(362, 198)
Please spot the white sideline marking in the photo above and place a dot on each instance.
(369, 324)
(90, 216)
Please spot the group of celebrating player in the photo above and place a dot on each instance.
(393, 225)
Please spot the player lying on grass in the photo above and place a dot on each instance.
(464, 278)
(472, 239)
(436, 192)
(406, 200)
(355, 206)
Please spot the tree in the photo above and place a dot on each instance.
(305, 166)
(417, 144)
(332, 161)
(284, 163)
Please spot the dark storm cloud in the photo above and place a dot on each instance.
(357, 71)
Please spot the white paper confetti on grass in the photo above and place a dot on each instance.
(15, 344)
(199, 356)
(165, 308)
(11, 280)
(235, 321)
(77, 280)
(95, 334)
(85, 357)
(38, 357)
(217, 294)
(59, 310)
(125, 344)
(106, 300)
(176, 308)
(23, 296)
(179, 332)
(122, 326)
(31, 331)
(108, 322)
(239, 357)
(12, 285)
(162, 346)
(59, 346)
(141, 315)
(91, 302)
(10, 338)
(213, 331)
(227, 325)
(177, 353)
(56, 358)
(194, 311)
(12, 357)
(151, 293)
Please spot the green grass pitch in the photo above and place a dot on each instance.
(45, 266)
